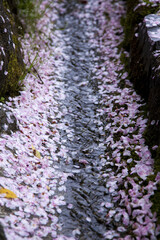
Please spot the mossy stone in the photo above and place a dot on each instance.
(11, 56)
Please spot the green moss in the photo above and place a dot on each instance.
(14, 73)
(15, 64)
(9, 14)
(5, 4)
(29, 14)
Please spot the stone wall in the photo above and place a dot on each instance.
(11, 67)
(145, 62)
(11, 59)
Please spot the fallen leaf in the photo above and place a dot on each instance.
(36, 152)
(9, 193)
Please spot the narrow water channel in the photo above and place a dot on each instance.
(86, 191)
(78, 168)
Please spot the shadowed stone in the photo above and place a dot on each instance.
(8, 122)
(13, 6)
(2, 234)
(145, 62)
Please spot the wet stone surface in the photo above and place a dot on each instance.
(85, 189)
(76, 176)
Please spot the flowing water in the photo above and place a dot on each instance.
(85, 189)
(80, 165)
